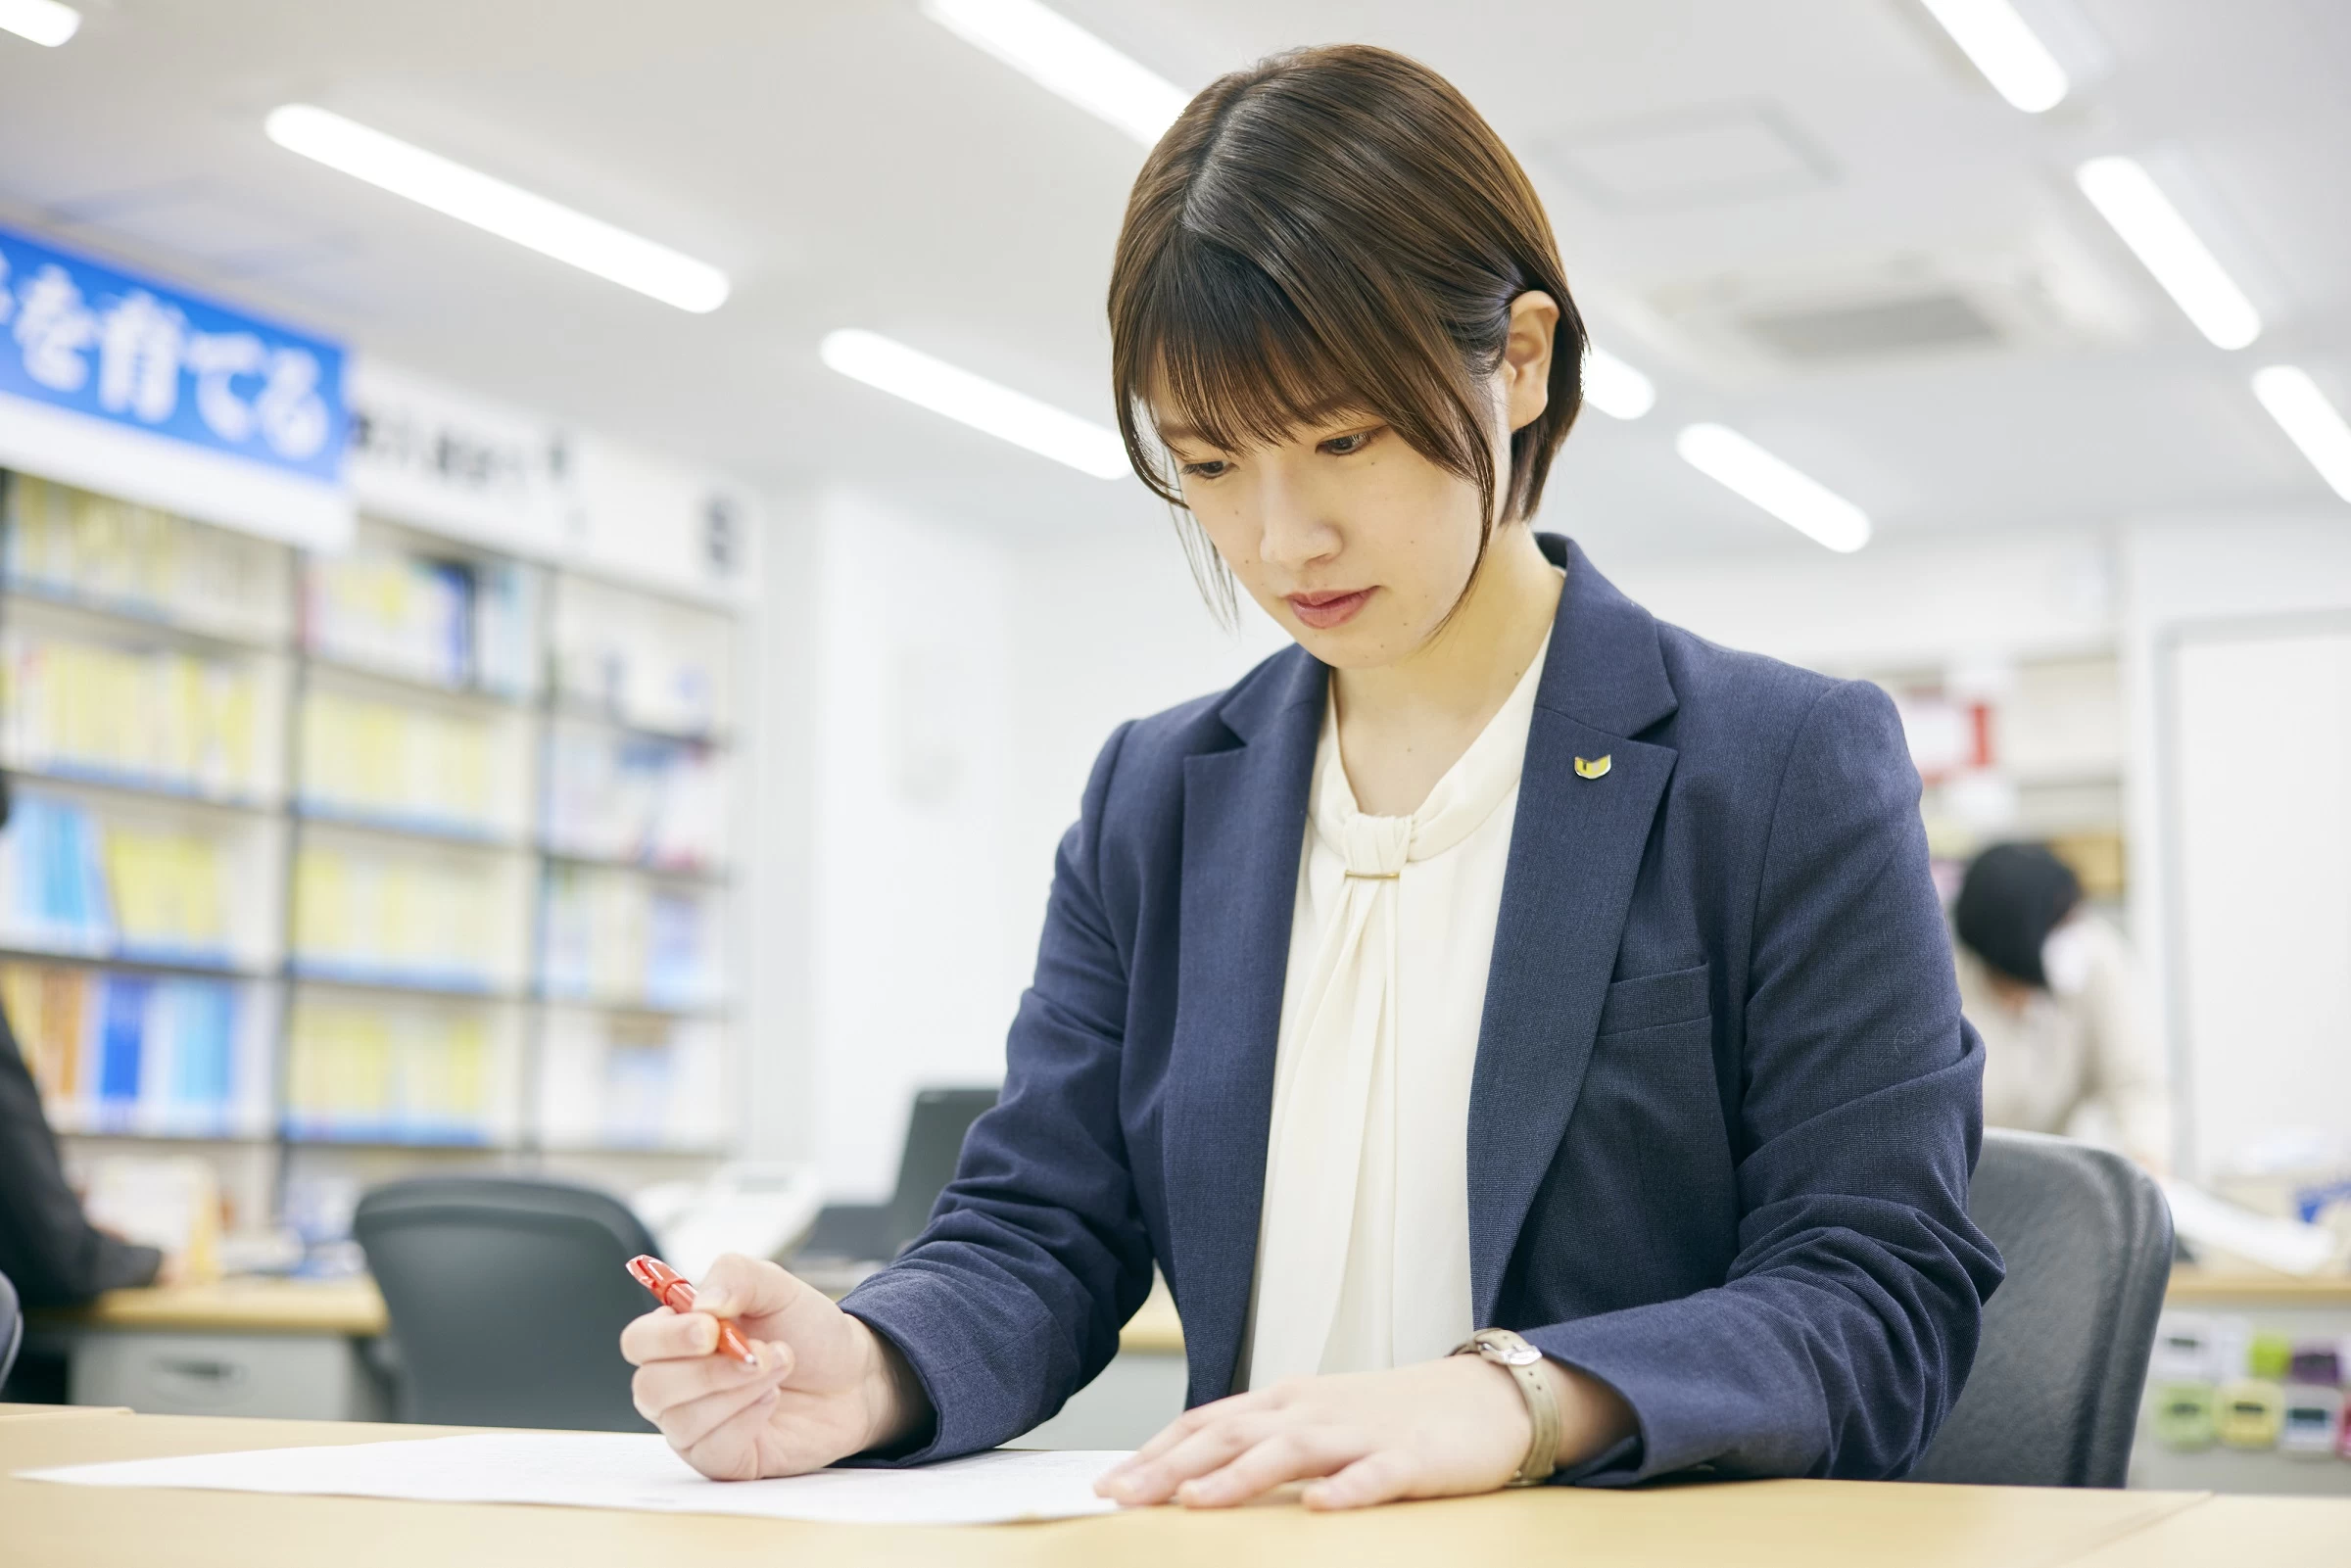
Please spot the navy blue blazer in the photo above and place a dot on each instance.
(1724, 1108)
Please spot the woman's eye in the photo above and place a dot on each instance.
(1347, 444)
(1211, 469)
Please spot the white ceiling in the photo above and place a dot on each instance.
(851, 164)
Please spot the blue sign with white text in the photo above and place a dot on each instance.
(80, 335)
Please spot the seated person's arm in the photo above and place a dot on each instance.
(1848, 1319)
(50, 1252)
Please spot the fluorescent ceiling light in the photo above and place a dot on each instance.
(2314, 424)
(44, 22)
(506, 211)
(1064, 58)
(976, 401)
(1795, 497)
(2019, 66)
(1615, 388)
(2129, 198)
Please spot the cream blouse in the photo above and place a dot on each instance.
(1362, 1253)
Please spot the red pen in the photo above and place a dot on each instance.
(670, 1289)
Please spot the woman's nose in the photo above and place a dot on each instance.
(1293, 529)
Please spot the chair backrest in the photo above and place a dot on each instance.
(12, 1326)
(2053, 1400)
(935, 1130)
(508, 1297)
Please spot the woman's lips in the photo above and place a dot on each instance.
(1322, 611)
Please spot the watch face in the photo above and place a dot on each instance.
(1518, 1356)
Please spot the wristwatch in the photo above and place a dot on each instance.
(1524, 1363)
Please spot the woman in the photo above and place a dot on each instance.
(2052, 988)
(1496, 959)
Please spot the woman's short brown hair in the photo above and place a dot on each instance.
(1335, 229)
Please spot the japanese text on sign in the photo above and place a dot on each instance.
(80, 335)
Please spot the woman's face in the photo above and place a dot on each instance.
(1357, 545)
(1353, 542)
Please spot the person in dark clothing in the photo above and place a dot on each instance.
(48, 1250)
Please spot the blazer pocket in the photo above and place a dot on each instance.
(1652, 1001)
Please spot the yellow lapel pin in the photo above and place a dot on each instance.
(1595, 767)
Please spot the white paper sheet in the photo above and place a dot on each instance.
(624, 1470)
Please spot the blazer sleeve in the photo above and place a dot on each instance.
(1848, 1319)
(1012, 1297)
(48, 1251)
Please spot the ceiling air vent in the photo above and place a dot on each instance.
(2036, 293)
(1920, 324)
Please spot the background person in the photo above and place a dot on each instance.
(2068, 1043)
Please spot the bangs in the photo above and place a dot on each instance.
(1215, 352)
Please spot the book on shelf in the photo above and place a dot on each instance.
(123, 1053)
(630, 1082)
(156, 718)
(73, 880)
(172, 1203)
(460, 624)
(398, 764)
(397, 1071)
(626, 797)
(643, 661)
(617, 938)
(73, 544)
(168, 661)
(399, 917)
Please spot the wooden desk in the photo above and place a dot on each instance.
(2206, 1290)
(351, 1308)
(236, 1347)
(2272, 1531)
(1154, 1329)
(1770, 1524)
(355, 1309)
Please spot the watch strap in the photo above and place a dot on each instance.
(1514, 1355)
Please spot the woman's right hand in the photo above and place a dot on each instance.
(826, 1386)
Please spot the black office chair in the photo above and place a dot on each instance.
(879, 1232)
(508, 1297)
(12, 1327)
(2053, 1400)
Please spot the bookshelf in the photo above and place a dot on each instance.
(415, 846)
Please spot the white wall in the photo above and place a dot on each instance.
(774, 809)
(2259, 854)
(911, 751)
(1940, 601)
(2181, 575)
(1108, 625)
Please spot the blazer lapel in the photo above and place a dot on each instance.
(1575, 852)
(1244, 826)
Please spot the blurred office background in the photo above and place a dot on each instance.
(639, 759)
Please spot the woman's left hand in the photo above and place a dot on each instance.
(1434, 1430)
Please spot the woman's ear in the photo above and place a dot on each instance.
(1526, 358)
